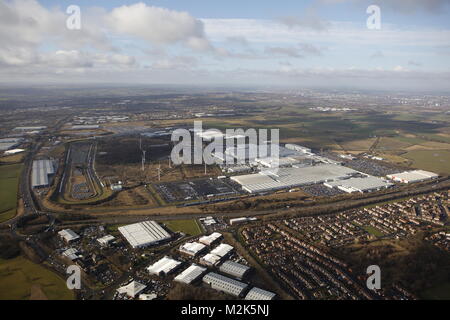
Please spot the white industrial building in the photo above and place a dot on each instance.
(143, 234)
(13, 151)
(235, 221)
(259, 294)
(412, 176)
(284, 178)
(9, 143)
(31, 128)
(191, 274)
(164, 266)
(211, 239)
(210, 260)
(132, 289)
(225, 284)
(71, 254)
(365, 184)
(234, 269)
(42, 173)
(68, 235)
(222, 250)
(192, 248)
(297, 147)
(104, 241)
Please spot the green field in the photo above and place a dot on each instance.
(432, 160)
(19, 277)
(190, 227)
(9, 181)
(373, 231)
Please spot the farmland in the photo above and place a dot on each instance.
(21, 279)
(9, 181)
(189, 227)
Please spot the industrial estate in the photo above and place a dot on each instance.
(96, 187)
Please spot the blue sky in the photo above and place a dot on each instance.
(304, 43)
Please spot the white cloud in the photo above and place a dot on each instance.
(158, 25)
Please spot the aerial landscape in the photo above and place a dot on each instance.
(154, 154)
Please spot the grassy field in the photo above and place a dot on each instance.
(9, 181)
(373, 231)
(190, 227)
(433, 160)
(21, 279)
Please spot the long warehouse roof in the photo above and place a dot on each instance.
(259, 294)
(144, 233)
(190, 274)
(222, 283)
(283, 178)
(164, 265)
(41, 170)
(361, 184)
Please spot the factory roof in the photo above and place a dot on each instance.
(208, 240)
(30, 128)
(222, 250)
(413, 176)
(234, 269)
(14, 151)
(71, 253)
(210, 259)
(225, 284)
(190, 274)
(106, 239)
(41, 171)
(259, 294)
(163, 266)
(192, 248)
(282, 178)
(360, 184)
(68, 235)
(144, 233)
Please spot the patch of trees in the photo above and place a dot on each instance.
(9, 248)
(189, 292)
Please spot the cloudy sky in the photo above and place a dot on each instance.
(295, 43)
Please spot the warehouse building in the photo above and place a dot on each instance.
(191, 274)
(210, 260)
(211, 239)
(234, 269)
(225, 284)
(71, 253)
(222, 250)
(34, 128)
(42, 173)
(143, 234)
(286, 178)
(104, 241)
(297, 147)
(164, 266)
(365, 184)
(259, 294)
(68, 235)
(9, 143)
(235, 221)
(412, 176)
(192, 248)
(13, 151)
